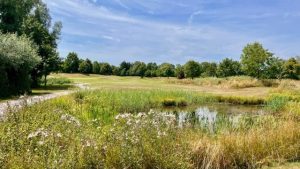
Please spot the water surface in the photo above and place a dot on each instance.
(209, 115)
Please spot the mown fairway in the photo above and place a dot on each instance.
(244, 86)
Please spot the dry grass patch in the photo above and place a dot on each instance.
(249, 149)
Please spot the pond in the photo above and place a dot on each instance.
(207, 116)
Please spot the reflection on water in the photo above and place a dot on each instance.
(208, 115)
(202, 114)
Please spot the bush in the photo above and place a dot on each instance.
(240, 100)
(169, 103)
(182, 103)
(18, 56)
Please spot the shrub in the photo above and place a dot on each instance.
(240, 100)
(182, 103)
(18, 56)
(168, 102)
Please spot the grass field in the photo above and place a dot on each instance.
(117, 125)
(206, 85)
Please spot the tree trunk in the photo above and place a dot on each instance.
(45, 80)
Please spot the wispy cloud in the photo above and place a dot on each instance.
(191, 18)
(102, 31)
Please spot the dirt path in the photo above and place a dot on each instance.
(30, 100)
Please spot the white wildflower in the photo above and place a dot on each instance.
(40, 132)
(139, 115)
(87, 144)
(40, 142)
(70, 119)
(59, 135)
(128, 122)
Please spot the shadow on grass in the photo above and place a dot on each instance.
(50, 89)
(54, 87)
(41, 91)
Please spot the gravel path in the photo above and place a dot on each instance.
(30, 100)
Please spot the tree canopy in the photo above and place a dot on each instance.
(192, 69)
(166, 70)
(229, 67)
(71, 64)
(291, 69)
(31, 18)
(254, 58)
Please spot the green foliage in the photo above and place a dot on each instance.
(18, 56)
(208, 69)
(86, 67)
(256, 62)
(115, 70)
(229, 67)
(105, 69)
(291, 69)
(273, 68)
(37, 26)
(192, 69)
(254, 59)
(124, 68)
(13, 13)
(180, 72)
(138, 69)
(166, 70)
(151, 70)
(71, 64)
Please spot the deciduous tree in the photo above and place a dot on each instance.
(71, 64)
(192, 69)
(229, 67)
(254, 58)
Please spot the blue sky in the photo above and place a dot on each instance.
(175, 30)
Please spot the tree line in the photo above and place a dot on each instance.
(28, 54)
(28, 43)
(255, 61)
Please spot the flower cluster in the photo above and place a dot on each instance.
(41, 135)
(131, 127)
(70, 119)
(41, 132)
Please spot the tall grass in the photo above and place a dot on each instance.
(58, 81)
(236, 82)
(104, 104)
(114, 129)
(249, 149)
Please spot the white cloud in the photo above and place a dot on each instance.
(101, 33)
